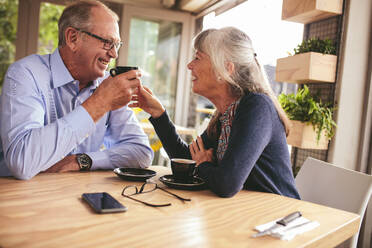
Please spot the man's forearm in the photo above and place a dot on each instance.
(34, 150)
(68, 163)
(95, 107)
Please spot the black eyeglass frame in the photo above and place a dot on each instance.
(107, 44)
(141, 190)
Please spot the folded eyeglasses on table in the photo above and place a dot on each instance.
(131, 190)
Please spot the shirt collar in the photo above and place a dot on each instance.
(60, 73)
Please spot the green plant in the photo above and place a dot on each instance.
(325, 46)
(8, 32)
(48, 27)
(303, 107)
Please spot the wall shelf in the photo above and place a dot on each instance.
(308, 67)
(303, 135)
(306, 11)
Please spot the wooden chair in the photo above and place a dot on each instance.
(326, 184)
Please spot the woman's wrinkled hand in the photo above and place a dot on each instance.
(198, 153)
(147, 101)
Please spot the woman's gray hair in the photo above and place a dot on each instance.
(77, 15)
(230, 44)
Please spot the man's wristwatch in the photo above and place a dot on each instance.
(84, 161)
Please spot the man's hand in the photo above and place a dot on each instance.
(113, 93)
(67, 164)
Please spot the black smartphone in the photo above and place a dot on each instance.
(103, 203)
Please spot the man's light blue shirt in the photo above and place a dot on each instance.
(41, 122)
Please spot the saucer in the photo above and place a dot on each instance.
(196, 184)
(134, 174)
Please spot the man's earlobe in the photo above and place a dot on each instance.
(72, 38)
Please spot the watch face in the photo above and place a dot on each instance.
(84, 161)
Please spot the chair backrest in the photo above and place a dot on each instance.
(323, 183)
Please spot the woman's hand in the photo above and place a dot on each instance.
(198, 153)
(146, 100)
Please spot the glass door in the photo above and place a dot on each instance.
(154, 47)
(158, 41)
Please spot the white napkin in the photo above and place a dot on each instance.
(298, 226)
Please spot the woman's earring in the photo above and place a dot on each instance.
(219, 78)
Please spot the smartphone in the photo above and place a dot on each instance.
(103, 203)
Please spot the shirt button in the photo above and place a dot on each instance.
(102, 147)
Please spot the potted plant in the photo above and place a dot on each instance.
(312, 123)
(314, 60)
(306, 11)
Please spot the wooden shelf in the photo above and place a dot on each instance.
(306, 11)
(307, 68)
(303, 135)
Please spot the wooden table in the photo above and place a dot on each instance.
(47, 211)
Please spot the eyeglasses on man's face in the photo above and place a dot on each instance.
(107, 44)
(131, 190)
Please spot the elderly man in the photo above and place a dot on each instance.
(62, 112)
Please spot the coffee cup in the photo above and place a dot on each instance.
(121, 69)
(183, 169)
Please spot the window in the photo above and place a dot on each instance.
(154, 47)
(272, 38)
(158, 41)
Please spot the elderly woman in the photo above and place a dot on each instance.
(244, 146)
